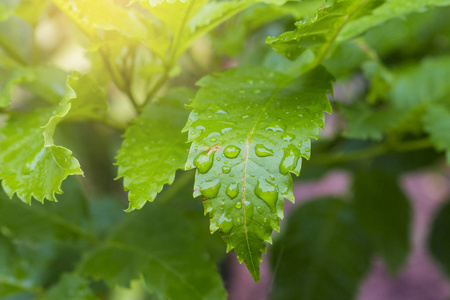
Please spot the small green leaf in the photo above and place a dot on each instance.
(368, 122)
(16, 77)
(390, 9)
(384, 213)
(157, 244)
(71, 287)
(322, 254)
(439, 243)
(249, 129)
(319, 34)
(422, 84)
(437, 123)
(154, 148)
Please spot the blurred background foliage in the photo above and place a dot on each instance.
(391, 106)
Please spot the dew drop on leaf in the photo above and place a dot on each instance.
(262, 151)
(226, 169)
(212, 190)
(289, 160)
(231, 151)
(268, 192)
(232, 190)
(276, 127)
(225, 224)
(239, 205)
(204, 161)
(287, 137)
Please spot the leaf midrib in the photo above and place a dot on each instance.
(244, 175)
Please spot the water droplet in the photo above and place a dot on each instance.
(204, 161)
(213, 140)
(238, 205)
(289, 160)
(212, 189)
(256, 92)
(225, 224)
(231, 151)
(189, 121)
(300, 144)
(268, 192)
(218, 159)
(250, 82)
(232, 190)
(226, 169)
(192, 132)
(276, 127)
(262, 151)
(245, 117)
(287, 137)
(307, 149)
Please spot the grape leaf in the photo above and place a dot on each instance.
(71, 287)
(154, 148)
(436, 122)
(165, 254)
(322, 254)
(319, 34)
(438, 241)
(384, 213)
(244, 150)
(31, 165)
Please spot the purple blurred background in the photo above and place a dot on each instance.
(420, 279)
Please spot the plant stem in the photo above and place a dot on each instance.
(367, 153)
(11, 53)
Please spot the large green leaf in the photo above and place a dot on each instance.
(31, 165)
(384, 213)
(437, 123)
(154, 148)
(322, 254)
(249, 129)
(439, 243)
(157, 244)
(319, 34)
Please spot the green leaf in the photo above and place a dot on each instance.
(154, 148)
(368, 122)
(249, 129)
(31, 165)
(7, 8)
(52, 221)
(319, 34)
(384, 213)
(71, 287)
(16, 77)
(390, 9)
(422, 84)
(439, 244)
(322, 254)
(436, 122)
(156, 244)
(93, 17)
